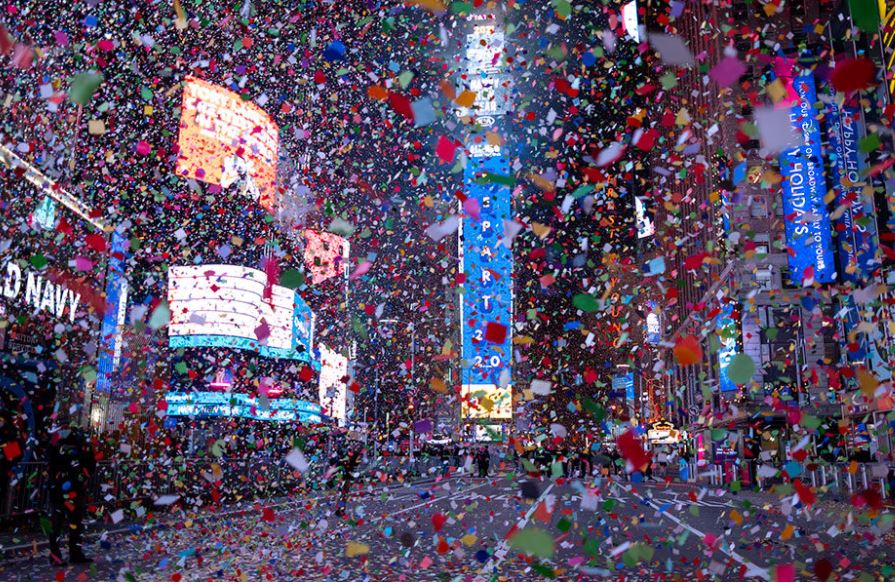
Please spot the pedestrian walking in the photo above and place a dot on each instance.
(71, 463)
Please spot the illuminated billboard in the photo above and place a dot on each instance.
(479, 401)
(219, 305)
(333, 383)
(488, 265)
(729, 338)
(224, 140)
(228, 404)
(112, 331)
(806, 218)
(645, 225)
(325, 255)
(856, 233)
(630, 20)
(486, 79)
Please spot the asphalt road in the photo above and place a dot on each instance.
(463, 529)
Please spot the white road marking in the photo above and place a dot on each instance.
(429, 502)
(753, 569)
(501, 552)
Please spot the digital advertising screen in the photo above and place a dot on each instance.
(224, 138)
(325, 255)
(112, 332)
(333, 392)
(228, 404)
(806, 218)
(219, 305)
(729, 337)
(488, 295)
(856, 233)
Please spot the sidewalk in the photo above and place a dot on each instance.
(29, 544)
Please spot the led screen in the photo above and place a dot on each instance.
(225, 139)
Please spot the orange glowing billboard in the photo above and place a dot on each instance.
(224, 140)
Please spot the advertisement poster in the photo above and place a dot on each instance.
(487, 300)
(224, 139)
(806, 218)
(219, 305)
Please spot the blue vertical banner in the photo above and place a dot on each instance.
(114, 314)
(856, 233)
(806, 218)
(729, 337)
(302, 325)
(488, 266)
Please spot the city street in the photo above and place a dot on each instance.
(447, 290)
(458, 528)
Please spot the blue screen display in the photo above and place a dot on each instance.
(116, 295)
(488, 266)
(806, 219)
(228, 404)
(728, 335)
(858, 241)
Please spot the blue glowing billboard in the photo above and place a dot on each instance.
(487, 265)
(856, 233)
(228, 404)
(111, 333)
(807, 221)
(729, 339)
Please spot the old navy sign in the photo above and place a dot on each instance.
(39, 292)
(856, 233)
(807, 221)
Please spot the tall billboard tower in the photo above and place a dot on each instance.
(487, 263)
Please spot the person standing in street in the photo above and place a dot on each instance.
(351, 462)
(484, 461)
(70, 466)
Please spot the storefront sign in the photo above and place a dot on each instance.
(34, 289)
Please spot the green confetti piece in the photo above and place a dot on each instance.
(609, 505)
(38, 261)
(160, 317)
(404, 78)
(564, 524)
(83, 86)
(865, 15)
(180, 368)
(585, 302)
(741, 369)
(146, 93)
(533, 541)
(719, 434)
(495, 178)
(563, 8)
(88, 373)
(869, 143)
(461, 7)
(292, 279)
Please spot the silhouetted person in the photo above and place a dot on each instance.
(348, 469)
(71, 463)
(484, 461)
